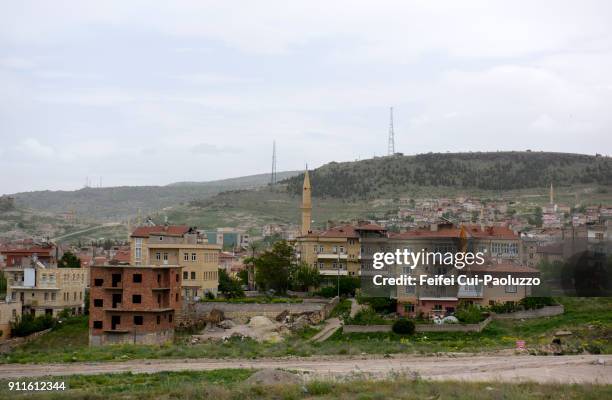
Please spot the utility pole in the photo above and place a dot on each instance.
(273, 174)
(391, 144)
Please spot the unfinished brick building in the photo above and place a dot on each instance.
(133, 304)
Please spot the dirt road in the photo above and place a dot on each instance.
(565, 369)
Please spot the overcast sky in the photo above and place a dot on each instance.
(150, 92)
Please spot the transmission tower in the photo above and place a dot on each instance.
(273, 174)
(391, 147)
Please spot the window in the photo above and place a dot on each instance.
(98, 303)
(46, 296)
(193, 256)
(165, 256)
(170, 318)
(193, 275)
(185, 275)
(341, 249)
(97, 324)
(136, 298)
(98, 282)
(74, 296)
(161, 238)
(176, 297)
(409, 307)
(137, 278)
(158, 279)
(176, 277)
(158, 256)
(138, 319)
(334, 249)
(44, 277)
(437, 307)
(185, 256)
(511, 289)
(158, 320)
(52, 296)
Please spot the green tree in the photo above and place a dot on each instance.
(2, 284)
(273, 267)
(304, 276)
(230, 287)
(243, 275)
(69, 260)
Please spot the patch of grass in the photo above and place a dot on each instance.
(228, 384)
(342, 310)
(589, 320)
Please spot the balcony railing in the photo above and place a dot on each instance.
(469, 291)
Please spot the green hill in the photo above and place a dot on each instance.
(495, 171)
(116, 203)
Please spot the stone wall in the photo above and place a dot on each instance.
(9, 345)
(241, 313)
(547, 311)
(419, 327)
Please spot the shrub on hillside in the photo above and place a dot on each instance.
(367, 316)
(380, 304)
(403, 326)
(469, 314)
(532, 303)
(28, 324)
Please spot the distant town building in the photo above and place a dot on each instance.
(133, 303)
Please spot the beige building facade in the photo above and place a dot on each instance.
(182, 246)
(47, 290)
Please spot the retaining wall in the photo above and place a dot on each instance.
(548, 311)
(419, 327)
(242, 312)
(10, 344)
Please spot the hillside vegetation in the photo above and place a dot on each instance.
(383, 176)
(114, 203)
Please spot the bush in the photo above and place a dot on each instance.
(380, 304)
(403, 326)
(366, 316)
(28, 324)
(328, 291)
(469, 314)
(532, 303)
(502, 308)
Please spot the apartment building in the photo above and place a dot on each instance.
(45, 253)
(183, 246)
(10, 311)
(501, 249)
(47, 290)
(133, 303)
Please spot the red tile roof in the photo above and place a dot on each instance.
(447, 231)
(170, 230)
(506, 268)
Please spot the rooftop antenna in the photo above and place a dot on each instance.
(273, 174)
(391, 146)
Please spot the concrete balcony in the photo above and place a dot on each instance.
(333, 272)
(332, 256)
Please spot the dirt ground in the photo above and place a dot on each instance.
(508, 368)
